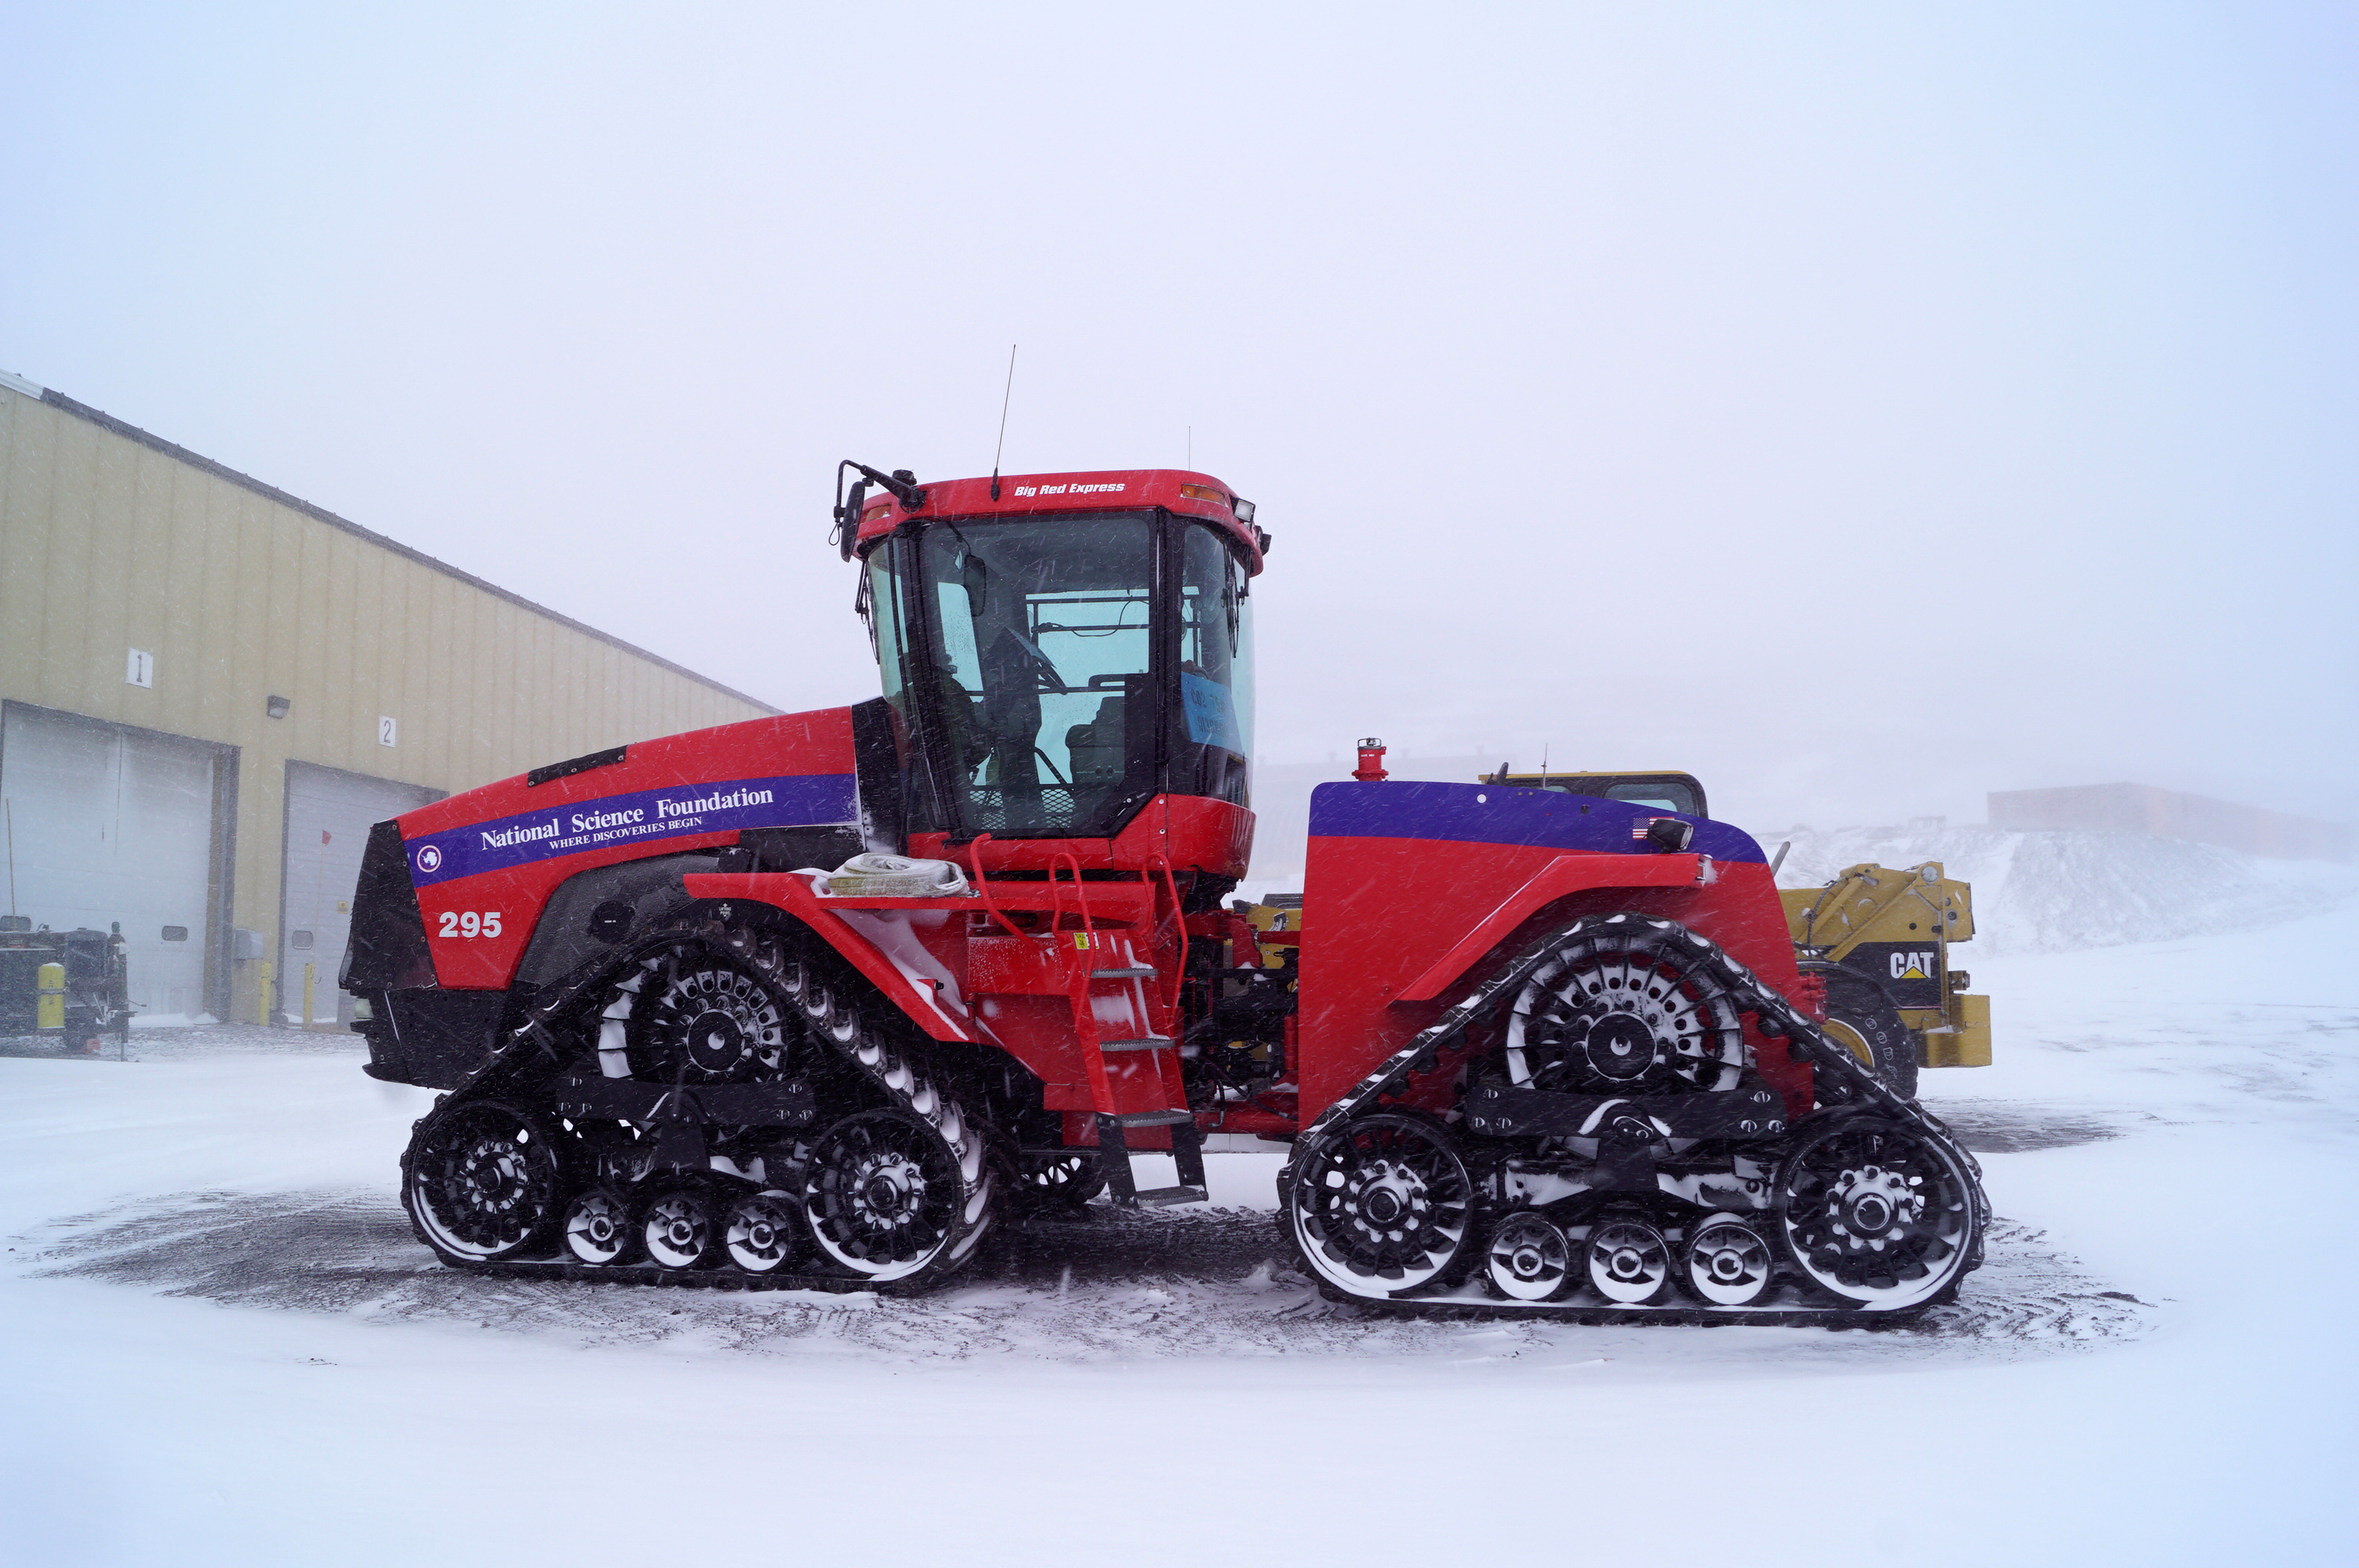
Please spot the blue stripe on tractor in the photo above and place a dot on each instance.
(646, 817)
(1503, 814)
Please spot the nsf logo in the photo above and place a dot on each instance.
(430, 860)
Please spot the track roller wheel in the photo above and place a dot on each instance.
(1530, 1261)
(598, 1228)
(1628, 1260)
(1382, 1203)
(679, 1230)
(483, 1184)
(765, 1232)
(1728, 1261)
(882, 1194)
(1877, 1215)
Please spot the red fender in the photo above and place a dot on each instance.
(845, 924)
(1566, 874)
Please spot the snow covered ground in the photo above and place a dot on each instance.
(224, 1345)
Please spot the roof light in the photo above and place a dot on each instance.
(1204, 493)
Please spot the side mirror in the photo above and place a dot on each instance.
(847, 517)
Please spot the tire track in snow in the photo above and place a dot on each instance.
(1116, 1288)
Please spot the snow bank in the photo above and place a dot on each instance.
(2056, 893)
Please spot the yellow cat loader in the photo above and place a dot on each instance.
(1877, 936)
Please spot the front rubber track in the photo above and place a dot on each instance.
(840, 1011)
(721, 1279)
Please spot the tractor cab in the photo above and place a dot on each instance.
(1060, 649)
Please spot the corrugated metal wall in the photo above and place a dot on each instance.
(110, 543)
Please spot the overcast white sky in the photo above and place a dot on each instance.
(1863, 407)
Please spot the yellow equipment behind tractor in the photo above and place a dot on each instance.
(1878, 936)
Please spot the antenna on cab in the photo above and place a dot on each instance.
(1006, 392)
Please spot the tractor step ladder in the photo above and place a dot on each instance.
(1187, 1153)
(1113, 1143)
(1084, 974)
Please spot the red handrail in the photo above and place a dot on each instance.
(982, 886)
(1180, 916)
(1081, 892)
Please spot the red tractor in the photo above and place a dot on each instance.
(817, 1000)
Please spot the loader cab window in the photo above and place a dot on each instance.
(1048, 694)
(1681, 796)
(1677, 793)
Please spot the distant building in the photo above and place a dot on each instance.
(2142, 808)
(209, 689)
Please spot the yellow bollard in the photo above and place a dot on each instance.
(309, 970)
(262, 997)
(49, 1011)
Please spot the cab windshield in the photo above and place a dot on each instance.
(1048, 687)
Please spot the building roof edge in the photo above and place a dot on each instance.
(105, 421)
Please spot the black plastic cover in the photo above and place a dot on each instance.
(573, 765)
(877, 761)
(432, 1038)
(1750, 1112)
(388, 943)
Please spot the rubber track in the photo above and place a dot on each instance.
(1750, 994)
(724, 1278)
(1587, 1314)
(542, 1040)
(1684, 1314)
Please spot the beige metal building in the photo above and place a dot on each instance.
(209, 688)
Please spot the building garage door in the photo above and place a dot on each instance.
(328, 813)
(109, 824)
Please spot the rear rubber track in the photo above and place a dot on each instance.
(1836, 1069)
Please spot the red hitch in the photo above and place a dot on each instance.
(1372, 761)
